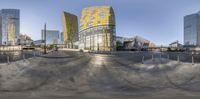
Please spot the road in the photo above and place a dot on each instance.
(75, 75)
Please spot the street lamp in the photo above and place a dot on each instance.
(45, 50)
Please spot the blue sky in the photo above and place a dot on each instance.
(160, 21)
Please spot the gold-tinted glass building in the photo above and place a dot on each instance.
(70, 29)
(97, 29)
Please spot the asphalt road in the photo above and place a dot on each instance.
(75, 75)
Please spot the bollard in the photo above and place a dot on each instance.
(34, 54)
(152, 57)
(8, 60)
(192, 60)
(24, 57)
(143, 60)
(160, 56)
(178, 58)
(168, 56)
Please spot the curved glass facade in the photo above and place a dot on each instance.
(98, 38)
(10, 26)
(97, 29)
(70, 29)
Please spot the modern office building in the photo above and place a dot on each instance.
(61, 37)
(25, 40)
(52, 36)
(192, 30)
(70, 29)
(9, 26)
(133, 43)
(175, 44)
(38, 42)
(97, 29)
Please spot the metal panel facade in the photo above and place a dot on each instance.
(97, 29)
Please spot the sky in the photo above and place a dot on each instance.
(160, 21)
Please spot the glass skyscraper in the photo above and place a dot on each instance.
(9, 26)
(61, 38)
(97, 29)
(70, 29)
(192, 30)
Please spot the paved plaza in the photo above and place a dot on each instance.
(77, 75)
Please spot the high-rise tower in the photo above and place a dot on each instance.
(9, 26)
(192, 29)
(70, 29)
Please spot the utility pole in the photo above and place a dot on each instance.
(45, 44)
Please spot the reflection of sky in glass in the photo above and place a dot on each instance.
(158, 20)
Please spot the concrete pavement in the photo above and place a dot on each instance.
(99, 76)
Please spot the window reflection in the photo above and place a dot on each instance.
(98, 38)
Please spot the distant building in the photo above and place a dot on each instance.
(38, 42)
(9, 26)
(97, 29)
(192, 30)
(25, 40)
(61, 37)
(175, 44)
(70, 29)
(52, 36)
(133, 43)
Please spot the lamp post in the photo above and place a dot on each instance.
(45, 50)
